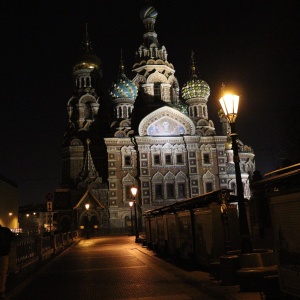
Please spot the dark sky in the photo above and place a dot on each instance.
(251, 46)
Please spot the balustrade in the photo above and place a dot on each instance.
(39, 248)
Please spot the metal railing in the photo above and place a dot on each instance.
(26, 252)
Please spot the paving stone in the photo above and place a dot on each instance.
(116, 268)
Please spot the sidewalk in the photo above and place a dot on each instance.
(115, 267)
(204, 280)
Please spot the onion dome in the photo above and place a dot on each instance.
(148, 11)
(195, 87)
(123, 87)
(228, 145)
(88, 59)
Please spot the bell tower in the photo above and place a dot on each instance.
(83, 116)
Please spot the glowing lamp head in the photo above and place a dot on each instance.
(133, 191)
(87, 206)
(131, 203)
(230, 104)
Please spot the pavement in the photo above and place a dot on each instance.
(115, 267)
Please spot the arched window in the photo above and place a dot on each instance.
(157, 186)
(158, 191)
(206, 158)
(125, 116)
(120, 112)
(181, 190)
(157, 94)
(208, 187)
(88, 114)
(195, 111)
(129, 112)
(88, 81)
(170, 191)
(208, 182)
(128, 193)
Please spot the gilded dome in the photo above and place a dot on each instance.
(148, 11)
(228, 145)
(88, 59)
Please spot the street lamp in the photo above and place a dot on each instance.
(230, 105)
(87, 206)
(134, 192)
(131, 204)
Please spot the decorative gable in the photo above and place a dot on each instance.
(166, 121)
(169, 176)
(88, 195)
(180, 176)
(158, 177)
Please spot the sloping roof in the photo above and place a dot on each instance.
(199, 201)
(85, 196)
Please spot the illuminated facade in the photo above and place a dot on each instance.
(161, 138)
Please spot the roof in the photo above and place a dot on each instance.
(283, 170)
(85, 195)
(192, 203)
(279, 174)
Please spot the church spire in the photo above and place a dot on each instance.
(121, 66)
(193, 66)
(86, 44)
(89, 171)
(87, 69)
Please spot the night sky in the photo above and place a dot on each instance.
(251, 46)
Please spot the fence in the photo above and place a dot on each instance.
(199, 229)
(27, 252)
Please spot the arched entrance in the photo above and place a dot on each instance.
(90, 223)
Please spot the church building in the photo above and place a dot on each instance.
(146, 132)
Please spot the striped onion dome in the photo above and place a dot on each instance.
(148, 11)
(123, 87)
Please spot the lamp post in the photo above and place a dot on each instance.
(230, 105)
(87, 206)
(131, 204)
(134, 192)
